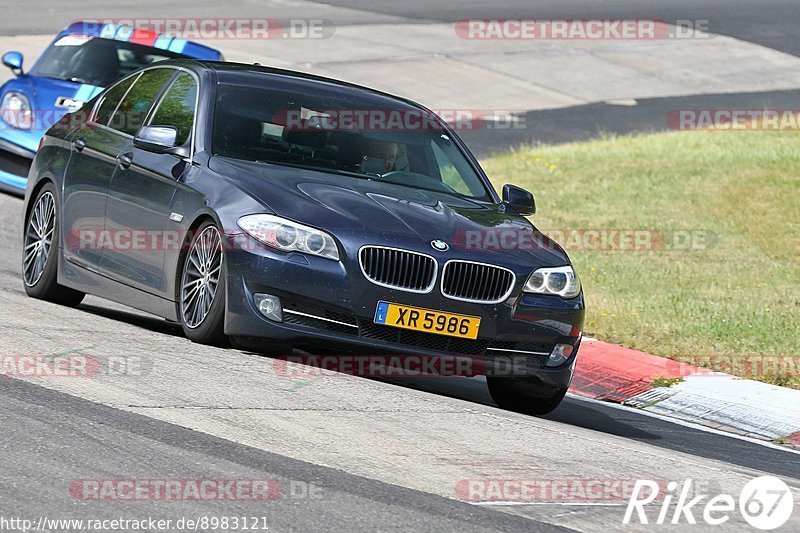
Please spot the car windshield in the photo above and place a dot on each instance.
(336, 132)
(96, 61)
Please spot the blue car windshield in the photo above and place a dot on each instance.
(96, 61)
(335, 131)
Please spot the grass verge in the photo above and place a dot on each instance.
(725, 289)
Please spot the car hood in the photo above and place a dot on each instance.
(389, 213)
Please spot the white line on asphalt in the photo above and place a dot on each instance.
(687, 424)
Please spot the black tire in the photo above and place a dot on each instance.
(208, 329)
(515, 395)
(40, 261)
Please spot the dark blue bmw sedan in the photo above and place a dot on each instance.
(252, 204)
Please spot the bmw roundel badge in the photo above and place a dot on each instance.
(440, 246)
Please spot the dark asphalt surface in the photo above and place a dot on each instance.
(51, 439)
(590, 121)
(596, 416)
(632, 425)
(771, 23)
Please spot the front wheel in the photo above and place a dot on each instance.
(40, 252)
(201, 297)
(518, 396)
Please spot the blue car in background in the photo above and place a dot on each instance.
(82, 60)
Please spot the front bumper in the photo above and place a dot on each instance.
(329, 306)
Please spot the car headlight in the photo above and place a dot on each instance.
(560, 281)
(16, 110)
(289, 236)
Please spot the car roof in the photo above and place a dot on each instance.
(232, 72)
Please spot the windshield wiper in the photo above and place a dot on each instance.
(74, 79)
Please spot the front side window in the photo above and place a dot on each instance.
(455, 171)
(177, 107)
(133, 109)
(111, 101)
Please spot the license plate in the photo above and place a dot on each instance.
(427, 320)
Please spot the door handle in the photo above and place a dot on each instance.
(79, 144)
(125, 160)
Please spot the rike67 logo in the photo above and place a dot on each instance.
(765, 503)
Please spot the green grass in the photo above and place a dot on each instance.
(739, 297)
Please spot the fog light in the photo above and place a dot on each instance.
(269, 306)
(560, 354)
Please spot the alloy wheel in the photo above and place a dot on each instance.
(38, 238)
(201, 276)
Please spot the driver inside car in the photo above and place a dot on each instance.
(380, 158)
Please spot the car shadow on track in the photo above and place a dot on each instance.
(134, 318)
(571, 411)
(590, 415)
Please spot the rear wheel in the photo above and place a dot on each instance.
(40, 252)
(201, 298)
(516, 395)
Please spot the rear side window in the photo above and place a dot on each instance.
(177, 107)
(111, 100)
(134, 107)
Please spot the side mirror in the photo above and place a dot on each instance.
(519, 200)
(156, 139)
(13, 60)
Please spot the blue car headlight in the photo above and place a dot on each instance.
(559, 281)
(16, 110)
(289, 236)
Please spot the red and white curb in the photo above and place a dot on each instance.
(608, 372)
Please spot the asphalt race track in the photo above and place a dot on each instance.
(348, 453)
(770, 24)
(198, 412)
